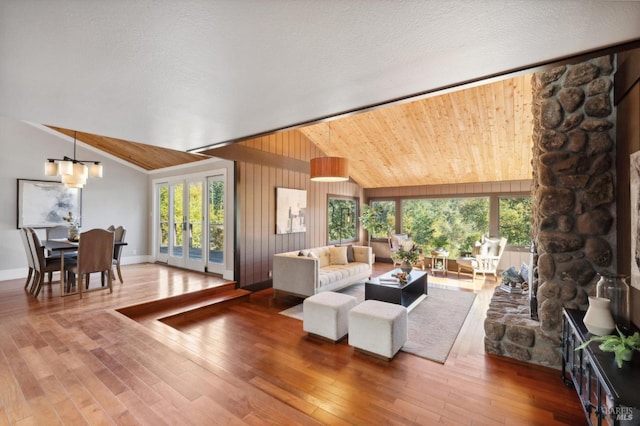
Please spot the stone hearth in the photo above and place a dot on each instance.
(509, 331)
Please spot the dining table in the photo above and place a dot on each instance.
(63, 246)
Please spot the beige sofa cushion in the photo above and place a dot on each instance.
(338, 255)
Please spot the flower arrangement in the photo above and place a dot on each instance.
(412, 255)
(71, 220)
(622, 346)
(74, 224)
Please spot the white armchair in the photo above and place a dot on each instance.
(484, 258)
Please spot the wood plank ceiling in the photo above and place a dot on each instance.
(480, 134)
(147, 157)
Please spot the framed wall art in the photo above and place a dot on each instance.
(42, 204)
(291, 209)
(635, 217)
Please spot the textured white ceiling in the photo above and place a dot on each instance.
(185, 74)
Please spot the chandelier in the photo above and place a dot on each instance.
(329, 169)
(74, 173)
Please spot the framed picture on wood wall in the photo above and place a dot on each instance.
(291, 210)
(42, 204)
(635, 217)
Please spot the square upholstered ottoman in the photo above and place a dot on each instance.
(326, 314)
(379, 328)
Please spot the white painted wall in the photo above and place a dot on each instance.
(119, 198)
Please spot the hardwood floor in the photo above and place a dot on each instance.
(71, 361)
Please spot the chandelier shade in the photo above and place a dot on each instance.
(74, 173)
(329, 169)
(51, 168)
(95, 170)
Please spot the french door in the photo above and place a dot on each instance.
(190, 225)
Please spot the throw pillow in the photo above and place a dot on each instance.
(511, 275)
(524, 272)
(407, 245)
(351, 256)
(492, 246)
(338, 256)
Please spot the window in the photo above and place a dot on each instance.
(385, 211)
(515, 220)
(453, 223)
(457, 223)
(342, 217)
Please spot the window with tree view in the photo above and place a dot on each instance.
(452, 223)
(384, 215)
(342, 214)
(515, 220)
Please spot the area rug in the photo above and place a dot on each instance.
(433, 325)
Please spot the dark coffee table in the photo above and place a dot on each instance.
(407, 294)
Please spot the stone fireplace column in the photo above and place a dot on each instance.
(573, 186)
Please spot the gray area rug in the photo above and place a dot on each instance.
(433, 325)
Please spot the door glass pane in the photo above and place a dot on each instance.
(163, 198)
(216, 221)
(195, 221)
(178, 219)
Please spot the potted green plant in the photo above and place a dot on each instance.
(622, 346)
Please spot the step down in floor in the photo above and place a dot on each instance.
(186, 307)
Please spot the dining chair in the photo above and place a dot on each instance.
(30, 262)
(118, 234)
(95, 254)
(57, 232)
(42, 264)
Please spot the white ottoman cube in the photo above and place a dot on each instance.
(379, 328)
(326, 314)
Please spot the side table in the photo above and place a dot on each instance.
(439, 260)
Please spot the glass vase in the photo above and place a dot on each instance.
(616, 289)
(406, 267)
(73, 233)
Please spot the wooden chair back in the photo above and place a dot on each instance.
(27, 247)
(42, 265)
(118, 235)
(95, 251)
(29, 254)
(37, 251)
(57, 232)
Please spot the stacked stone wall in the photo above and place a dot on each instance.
(509, 331)
(573, 192)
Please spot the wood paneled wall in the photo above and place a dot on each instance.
(258, 177)
(627, 95)
(461, 189)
